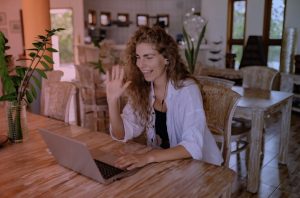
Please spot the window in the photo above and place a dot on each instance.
(236, 28)
(273, 30)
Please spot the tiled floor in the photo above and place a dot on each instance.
(275, 180)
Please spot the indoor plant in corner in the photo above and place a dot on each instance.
(18, 89)
(194, 27)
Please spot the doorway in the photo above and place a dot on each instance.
(63, 41)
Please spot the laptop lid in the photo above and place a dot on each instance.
(75, 155)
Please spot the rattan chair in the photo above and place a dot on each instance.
(58, 97)
(92, 97)
(219, 104)
(258, 77)
(239, 130)
(52, 76)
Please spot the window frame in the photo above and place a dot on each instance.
(267, 23)
(230, 40)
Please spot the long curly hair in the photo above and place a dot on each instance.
(139, 89)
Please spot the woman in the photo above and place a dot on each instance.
(164, 100)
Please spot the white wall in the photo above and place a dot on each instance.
(175, 8)
(293, 19)
(12, 8)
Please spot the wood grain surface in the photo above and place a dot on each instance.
(28, 170)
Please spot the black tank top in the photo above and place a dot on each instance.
(161, 128)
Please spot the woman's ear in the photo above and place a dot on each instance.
(166, 61)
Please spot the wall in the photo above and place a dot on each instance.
(292, 19)
(12, 9)
(175, 8)
(217, 23)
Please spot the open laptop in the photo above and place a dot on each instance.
(75, 155)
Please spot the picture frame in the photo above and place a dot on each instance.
(123, 19)
(92, 17)
(105, 19)
(15, 26)
(142, 19)
(163, 20)
(2, 18)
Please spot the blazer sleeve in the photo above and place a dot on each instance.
(193, 121)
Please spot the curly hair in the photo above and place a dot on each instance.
(139, 89)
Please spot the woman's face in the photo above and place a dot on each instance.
(150, 62)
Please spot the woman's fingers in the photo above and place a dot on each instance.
(113, 73)
(126, 85)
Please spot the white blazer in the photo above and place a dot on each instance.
(186, 123)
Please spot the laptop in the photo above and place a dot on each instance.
(75, 155)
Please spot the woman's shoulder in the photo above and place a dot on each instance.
(187, 86)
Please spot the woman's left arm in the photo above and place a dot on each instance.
(131, 161)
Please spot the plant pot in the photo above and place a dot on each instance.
(17, 122)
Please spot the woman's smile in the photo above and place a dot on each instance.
(150, 62)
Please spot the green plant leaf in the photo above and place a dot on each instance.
(8, 85)
(42, 37)
(48, 59)
(9, 97)
(186, 38)
(41, 73)
(29, 96)
(50, 49)
(38, 45)
(201, 36)
(33, 91)
(32, 54)
(46, 66)
(21, 71)
(37, 82)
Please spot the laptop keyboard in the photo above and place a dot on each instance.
(107, 170)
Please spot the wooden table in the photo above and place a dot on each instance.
(256, 104)
(28, 170)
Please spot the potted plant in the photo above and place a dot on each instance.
(193, 32)
(18, 81)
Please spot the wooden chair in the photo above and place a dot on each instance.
(255, 77)
(219, 104)
(258, 77)
(58, 97)
(239, 130)
(52, 76)
(92, 96)
(215, 81)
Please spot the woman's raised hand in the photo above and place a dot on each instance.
(114, 83)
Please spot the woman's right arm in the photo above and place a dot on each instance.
(114, 90)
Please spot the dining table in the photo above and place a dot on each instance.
(257, 105)
(29, 170)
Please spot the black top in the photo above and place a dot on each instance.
(161, 128)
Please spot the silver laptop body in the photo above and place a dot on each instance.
(75, 155)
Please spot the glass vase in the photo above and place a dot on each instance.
(17, 122)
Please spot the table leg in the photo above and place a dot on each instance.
(257, 125)
(285, 131)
